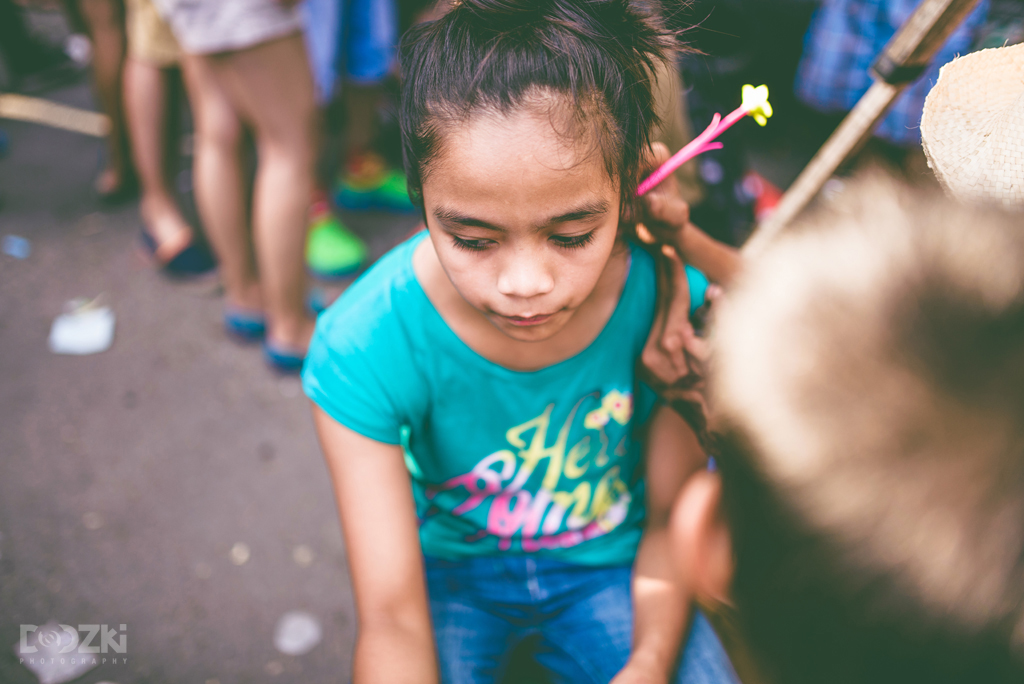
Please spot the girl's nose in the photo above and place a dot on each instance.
(523, 275)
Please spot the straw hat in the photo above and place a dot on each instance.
(973, 126)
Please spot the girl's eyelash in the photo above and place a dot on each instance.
(471, 245)
(566, 241)
(574, 241)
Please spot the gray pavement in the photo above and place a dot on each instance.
(127, 477)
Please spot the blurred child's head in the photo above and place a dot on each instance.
(524, 123)
(868, 392)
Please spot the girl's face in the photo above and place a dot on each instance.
(522, 222)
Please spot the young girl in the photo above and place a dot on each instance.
(491, 361)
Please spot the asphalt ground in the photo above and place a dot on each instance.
(127, 477)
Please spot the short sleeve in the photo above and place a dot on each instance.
(361, 367)
(343, 378)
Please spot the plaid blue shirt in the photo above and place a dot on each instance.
(844, 39)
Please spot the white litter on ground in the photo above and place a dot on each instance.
(92, 520)
(303, 556)
(85, 327)
(240, 553)
(297, 633)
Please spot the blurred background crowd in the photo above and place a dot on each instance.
(255, 161)
(277, 119)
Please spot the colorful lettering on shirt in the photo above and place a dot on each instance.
(562, 511)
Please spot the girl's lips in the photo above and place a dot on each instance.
(527, 321)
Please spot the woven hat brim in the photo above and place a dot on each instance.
(972, 127)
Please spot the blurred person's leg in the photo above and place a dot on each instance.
(332, 251)
(145, 101)
(370, 56)
(152, 54)
(219, 182)
(367, 182)
(361, 103)
(272, 86)
(104, 20)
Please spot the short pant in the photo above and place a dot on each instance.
(149, 37)
(205, 27)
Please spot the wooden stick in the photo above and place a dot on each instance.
(905, 57)
(852, 133)
(36, 110)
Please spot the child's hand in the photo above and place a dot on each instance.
(665, 214)
(636, 673)
(675, 359)
(663, 355)
(691, 388)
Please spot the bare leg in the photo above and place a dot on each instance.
(272, 87)
(145, 104)
(219, 182)
(105, 22)
(361, 104)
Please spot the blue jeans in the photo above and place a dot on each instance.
(578, 619)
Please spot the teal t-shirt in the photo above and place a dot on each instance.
(546, 461)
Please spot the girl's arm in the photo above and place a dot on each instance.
(660, 603)
(719, 262)
(378, 517)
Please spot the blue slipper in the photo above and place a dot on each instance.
(283, 359)
(244, 325)
(191, 261)
(316, 302)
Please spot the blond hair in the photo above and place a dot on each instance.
(869, 385)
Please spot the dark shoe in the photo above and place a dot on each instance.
(193, 260)
(126, 191)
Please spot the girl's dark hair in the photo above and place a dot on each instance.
(495, 54)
